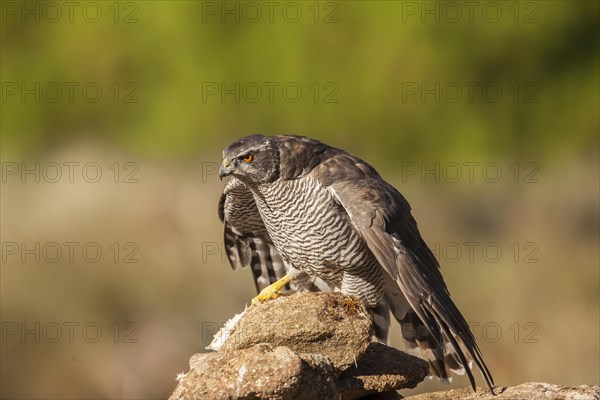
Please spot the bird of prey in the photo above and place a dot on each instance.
(305, 215)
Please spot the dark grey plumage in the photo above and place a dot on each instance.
(295, 205)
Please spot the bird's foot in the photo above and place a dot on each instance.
(272, 291)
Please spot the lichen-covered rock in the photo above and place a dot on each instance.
(381, 369)
(329, 324)
(271, 372)
(319, 347)
(525, 391)
(263, 371)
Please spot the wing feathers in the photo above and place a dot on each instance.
(382, 216)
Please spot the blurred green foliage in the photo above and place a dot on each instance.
(372, 53)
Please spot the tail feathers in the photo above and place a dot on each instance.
(380, 315)
(444, 340)
(236, 247)
(260, 255)
(421, 343)
(266, 263)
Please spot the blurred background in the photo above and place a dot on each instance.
(485, 115)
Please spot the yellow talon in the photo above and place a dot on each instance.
(271, 291)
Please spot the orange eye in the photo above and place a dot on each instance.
(248, 158)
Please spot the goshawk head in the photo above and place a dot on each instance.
(252, 159)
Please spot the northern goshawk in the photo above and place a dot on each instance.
(301, 213)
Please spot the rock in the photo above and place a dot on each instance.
(318, 348)
(525, 391)
(391, 395)
(329, 324)
(381, 369)
(263, 371)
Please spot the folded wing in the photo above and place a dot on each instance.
(382, 216)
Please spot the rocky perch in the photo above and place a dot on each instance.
(304, 346)
(525, 391)
(318, 346)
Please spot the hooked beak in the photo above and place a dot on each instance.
(225, 170)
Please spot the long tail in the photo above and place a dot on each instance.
(380, 315)
(418, 340)
(421, 343)
(444, 350)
